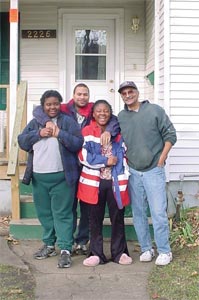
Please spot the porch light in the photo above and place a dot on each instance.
(135, 24)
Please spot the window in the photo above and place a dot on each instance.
(90, 54)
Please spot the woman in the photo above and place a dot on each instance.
(104, 179)
(53, 168)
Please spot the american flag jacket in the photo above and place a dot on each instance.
(92, 160)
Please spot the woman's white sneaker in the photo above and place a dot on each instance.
(147, 255)
(163, 259)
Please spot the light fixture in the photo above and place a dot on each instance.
(135, 24)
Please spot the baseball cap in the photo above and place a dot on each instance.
(127, 84)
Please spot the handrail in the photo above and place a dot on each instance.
(13, 166)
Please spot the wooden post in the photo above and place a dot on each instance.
(13, 166)
(23, 154)
(15, 195)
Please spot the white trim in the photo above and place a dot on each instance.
(91, 138)
(167, 71)
(13, 70)
(167, 57)
(90, 171)
(157, 52)
(89, 182)
(122, 188)
(117, 15)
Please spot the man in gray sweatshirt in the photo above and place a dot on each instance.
(149, 135)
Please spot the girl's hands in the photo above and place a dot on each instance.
(112, 161)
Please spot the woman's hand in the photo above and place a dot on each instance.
(46, 132)
(112, 161)
(51, 125)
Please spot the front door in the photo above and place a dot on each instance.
(90, 57)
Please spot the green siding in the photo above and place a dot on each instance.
(4, 56)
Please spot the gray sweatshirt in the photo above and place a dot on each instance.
(145, 133)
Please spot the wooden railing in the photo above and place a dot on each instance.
(13, 163)
(4, 126)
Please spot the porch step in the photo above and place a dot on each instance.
(27, 208)
(27, 229)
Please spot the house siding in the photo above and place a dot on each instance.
(135, 46)
(39, 61)
(149, 48)
(184, 88)
(39, 57)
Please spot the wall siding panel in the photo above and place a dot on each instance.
(184, 85)
(150, 48)
(39, 57)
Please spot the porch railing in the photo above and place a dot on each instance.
(13, 163)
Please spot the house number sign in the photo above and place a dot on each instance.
(38, 34)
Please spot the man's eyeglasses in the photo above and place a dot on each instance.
(128, 93)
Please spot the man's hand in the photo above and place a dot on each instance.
(51, 125)
(164, 154)
(105, 138)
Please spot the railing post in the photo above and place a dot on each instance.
(15, 195)
(13, 164)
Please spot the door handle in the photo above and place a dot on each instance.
(112, 90)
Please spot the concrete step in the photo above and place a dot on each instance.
(31, 229)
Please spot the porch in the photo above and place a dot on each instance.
(24, 223)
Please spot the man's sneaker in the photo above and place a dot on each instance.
(64, 259)
(147, 255)
(80, 249)
(164, 259)
(45, 252)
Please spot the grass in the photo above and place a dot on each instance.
(16, 284)
(180, 279)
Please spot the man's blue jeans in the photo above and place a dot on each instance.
(148, 188)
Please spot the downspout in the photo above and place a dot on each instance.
(13, 69)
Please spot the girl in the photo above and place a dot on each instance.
(104, 179)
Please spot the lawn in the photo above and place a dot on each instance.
(180, 279)
(16, 284)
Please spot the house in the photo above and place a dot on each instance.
(152, 42)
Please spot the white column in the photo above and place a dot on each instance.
(13, 64)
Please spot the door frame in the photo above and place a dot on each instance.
(117, 15)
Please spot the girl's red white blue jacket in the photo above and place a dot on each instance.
(92, 160)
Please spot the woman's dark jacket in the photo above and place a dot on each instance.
(70, 142)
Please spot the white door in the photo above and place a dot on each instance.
(90, 56)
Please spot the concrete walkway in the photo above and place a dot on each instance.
(104, 282)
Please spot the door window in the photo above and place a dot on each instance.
(90, 54)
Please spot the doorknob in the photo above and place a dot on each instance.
(112, 90)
